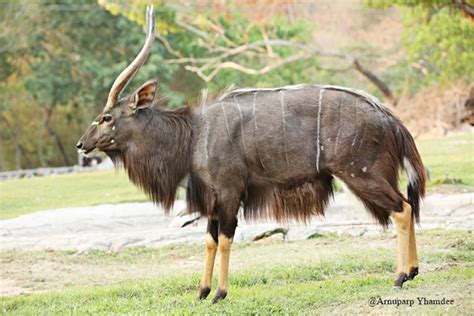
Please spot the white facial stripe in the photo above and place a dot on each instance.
(95, 123)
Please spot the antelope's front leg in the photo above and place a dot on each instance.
(227, 226)
(211, 249)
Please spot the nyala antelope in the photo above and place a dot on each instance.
(272, 152)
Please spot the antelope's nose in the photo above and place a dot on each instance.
(79, 145)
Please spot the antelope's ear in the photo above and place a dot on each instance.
(143, 96)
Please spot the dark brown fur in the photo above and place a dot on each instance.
(302, 197)
(164, 150)
(161, 156)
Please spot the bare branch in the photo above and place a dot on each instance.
(219, 30)
(168, 47)
(376, 81)
(246, 70)
(192, 29)
(265, 38)
(189, 60)
(207, 68)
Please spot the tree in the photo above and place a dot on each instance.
(220, 43)
(438, 38)
(58, 63)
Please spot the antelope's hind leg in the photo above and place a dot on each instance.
(383, 200)
(407, 259)
(211, 250)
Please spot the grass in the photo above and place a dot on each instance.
(450, 160)
(24, 196)
(328, 275)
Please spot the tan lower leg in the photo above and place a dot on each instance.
(211, 249)
(224, 252)
(403, 222)
(412, 255)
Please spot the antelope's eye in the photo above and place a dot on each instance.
(107, 118)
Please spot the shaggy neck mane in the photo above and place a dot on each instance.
(159, 156)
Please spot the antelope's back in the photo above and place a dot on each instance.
(288, 131)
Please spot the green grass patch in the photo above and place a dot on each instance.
(341, 284)
(450, 160)
(24, 196)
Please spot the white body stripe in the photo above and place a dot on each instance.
(225, 120)
(337, 141)
(242, 127)
(204, 94)
(318, 129)
(206, 135)
(283, 121)
(254, 110)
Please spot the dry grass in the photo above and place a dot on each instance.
(433, 112)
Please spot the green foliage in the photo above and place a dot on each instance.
(58, 70)
(442, 48)
(438, 40)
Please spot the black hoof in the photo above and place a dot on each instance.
(413, 273)
(204, 292)
(402, 278)
(220, 295)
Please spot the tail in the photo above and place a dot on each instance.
(415, 170)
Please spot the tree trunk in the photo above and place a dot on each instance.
(17, 151)
(16, 133)
(55, 136)
(20, 151)
(377, 82)
(2, 158)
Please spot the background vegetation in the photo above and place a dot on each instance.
(59, 58)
